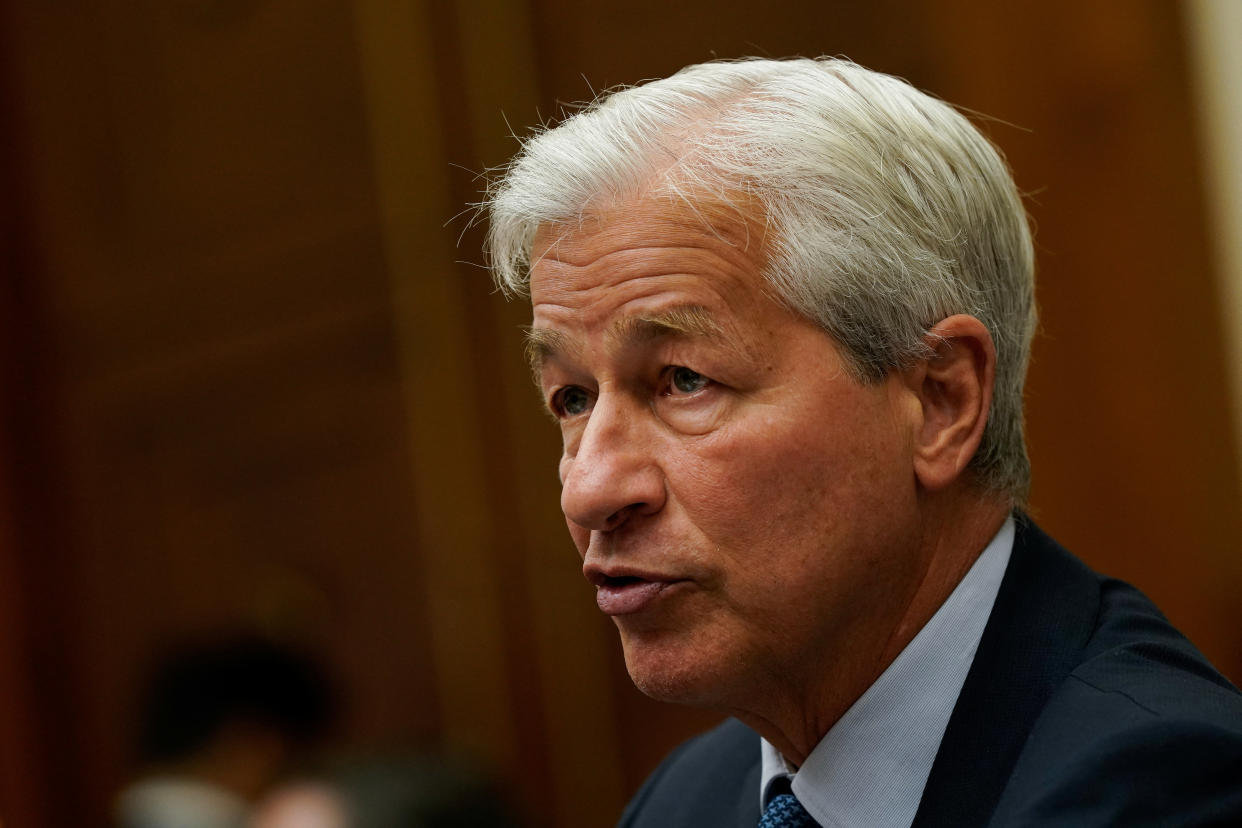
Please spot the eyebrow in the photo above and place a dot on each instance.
(542, 344)
(683, 320)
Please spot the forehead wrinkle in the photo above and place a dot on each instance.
(691, 321)
(686, 321)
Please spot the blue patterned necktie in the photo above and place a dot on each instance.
(785, 811)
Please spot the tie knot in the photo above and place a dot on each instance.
(785, 811)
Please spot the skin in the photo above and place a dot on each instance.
(304, 804)
(794, 527)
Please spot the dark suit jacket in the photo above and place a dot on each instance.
(1084, 706)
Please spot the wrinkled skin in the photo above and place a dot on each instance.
(753, 516)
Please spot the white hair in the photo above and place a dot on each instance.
(887, 211)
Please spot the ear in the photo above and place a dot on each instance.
(954, 390)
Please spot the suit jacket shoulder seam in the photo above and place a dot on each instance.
(1116, 692)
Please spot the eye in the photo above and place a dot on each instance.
(571, 401)
(683, 380)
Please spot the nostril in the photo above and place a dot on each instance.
(618, 517)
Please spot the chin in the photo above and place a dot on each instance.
(677, 674)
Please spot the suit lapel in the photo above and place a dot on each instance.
(1044, 614)
(748, 798)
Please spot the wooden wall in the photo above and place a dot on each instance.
(252, 372)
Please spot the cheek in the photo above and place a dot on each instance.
(784, 479)
(750, 495)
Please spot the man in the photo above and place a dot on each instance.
(782, 313)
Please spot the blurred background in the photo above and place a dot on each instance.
(253, 377)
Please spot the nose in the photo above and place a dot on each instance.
(611, 473)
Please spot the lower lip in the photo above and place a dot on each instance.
(630, 598)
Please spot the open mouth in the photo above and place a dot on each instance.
(622, 581)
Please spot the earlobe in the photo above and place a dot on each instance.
(954, 389)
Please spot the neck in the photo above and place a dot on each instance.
(952, 532)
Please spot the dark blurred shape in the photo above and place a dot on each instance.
(394, 791)
(218, 722)
(197, 692)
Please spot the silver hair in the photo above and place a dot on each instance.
(887, 210)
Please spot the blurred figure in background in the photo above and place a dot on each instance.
(218, 723)
(401, 791)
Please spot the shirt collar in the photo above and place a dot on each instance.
(870, 768)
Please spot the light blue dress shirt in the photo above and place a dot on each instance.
(871, 767)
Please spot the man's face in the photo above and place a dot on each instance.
(745, 508)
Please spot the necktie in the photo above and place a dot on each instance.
(785, 811)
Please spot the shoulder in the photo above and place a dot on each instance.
(1101, 755)
(1143, 731)
(713, 779)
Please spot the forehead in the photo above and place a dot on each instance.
(647, 220)
(646, 256)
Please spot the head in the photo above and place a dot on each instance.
(883, 209)
(775, 303)
(232, 711)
